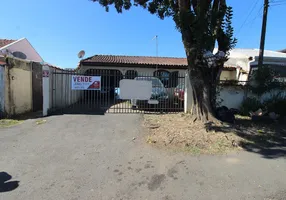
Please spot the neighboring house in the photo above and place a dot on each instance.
(20, 86)
(21, 48)
(246, 60)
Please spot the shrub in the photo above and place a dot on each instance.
(250, 104)
(263, 80)
(276, 104)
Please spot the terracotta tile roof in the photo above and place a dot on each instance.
(4, 42)
(139, 61)
(135, 60)
(54, 67)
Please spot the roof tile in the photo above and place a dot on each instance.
(138, 60)
(4, 42)
(143, 61)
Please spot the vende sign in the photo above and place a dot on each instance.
(86, 82)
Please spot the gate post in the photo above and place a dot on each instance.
(2, 91)
(46, 89)
(188, 95)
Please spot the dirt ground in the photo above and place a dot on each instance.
(178, 132)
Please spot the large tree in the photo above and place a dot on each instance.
(202, 24)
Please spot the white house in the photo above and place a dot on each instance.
(245, 60)
(21, 48)
(169, 70)
(238, 66)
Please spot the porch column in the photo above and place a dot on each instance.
(46, 89)
(188, 95)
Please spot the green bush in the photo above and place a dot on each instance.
(250, 104)
(276, 104)
(262, 80)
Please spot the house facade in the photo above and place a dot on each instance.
(167, 69)
(246, 60)
(20, 78)
(21, 48)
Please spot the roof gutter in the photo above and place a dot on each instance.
(272, 59)
(133, 65)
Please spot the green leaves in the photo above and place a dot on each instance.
(201, 22)
(263, 80)
(229, 32)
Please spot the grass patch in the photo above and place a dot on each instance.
(5, 123)
(178, 132)
(41, 121)
(193, 150)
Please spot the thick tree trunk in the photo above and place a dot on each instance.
(202, 105)
(203, 83)
(199, 35)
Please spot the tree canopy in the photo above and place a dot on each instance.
(203, 24)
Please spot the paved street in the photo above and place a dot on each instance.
(96, 157)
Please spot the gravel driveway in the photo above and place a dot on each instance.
(96, 157)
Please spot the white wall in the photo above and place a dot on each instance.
(225, 75)
(243, 77)
(141, 71)
(228, 75)
(231, 97)
(24, 46)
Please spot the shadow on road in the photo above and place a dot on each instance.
(265, 138)
(5, 184)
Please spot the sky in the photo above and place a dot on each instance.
(59, 29)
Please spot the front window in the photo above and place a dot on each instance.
(164, 76)
(131, 74)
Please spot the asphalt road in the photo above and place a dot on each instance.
(95, 157)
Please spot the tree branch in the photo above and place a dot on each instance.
(184, 5)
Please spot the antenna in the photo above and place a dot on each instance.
(156, 38)
(81, 54)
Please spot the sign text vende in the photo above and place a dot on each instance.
(86, 82)
(82, 79)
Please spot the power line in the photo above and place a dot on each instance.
(254, 6)
(259, 14)
(277, 3)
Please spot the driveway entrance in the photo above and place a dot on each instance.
(103, 93)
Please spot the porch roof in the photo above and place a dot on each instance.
(139, 61)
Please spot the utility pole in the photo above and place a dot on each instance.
(263, 33)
